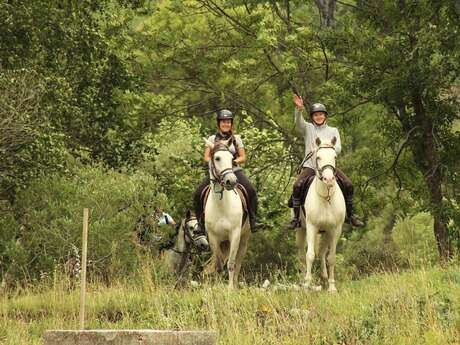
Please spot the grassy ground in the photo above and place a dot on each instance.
(419, 307)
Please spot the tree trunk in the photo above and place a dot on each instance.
(434, 182)
(427, 158)
(327, 10)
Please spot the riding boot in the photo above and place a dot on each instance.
(352, 219)
(252, 203)
(295, 222)
(253, 224)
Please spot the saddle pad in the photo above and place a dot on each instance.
(242, 192)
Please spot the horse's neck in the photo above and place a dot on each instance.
(322, 190)
(224, 199)
(181, 244)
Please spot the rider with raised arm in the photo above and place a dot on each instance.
(236, 147)
(310, 131)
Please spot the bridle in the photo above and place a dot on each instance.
(188, 237)
(218, 177)
(320, 170)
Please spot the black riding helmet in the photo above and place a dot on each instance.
(224, 114)
(315, 107)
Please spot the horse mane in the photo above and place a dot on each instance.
(219, 146)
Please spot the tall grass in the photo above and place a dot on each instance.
(417, 307)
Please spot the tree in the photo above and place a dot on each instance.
(406, 56)
(19, 100)
(67, 45)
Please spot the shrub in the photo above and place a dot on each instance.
(49, 213)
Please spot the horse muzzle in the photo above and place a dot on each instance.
(230, 181)
(328, 180)
(201, 242)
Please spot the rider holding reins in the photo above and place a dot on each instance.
(310, 131)
(236, 147)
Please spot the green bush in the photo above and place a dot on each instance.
(50, 216)
(415, 239)
(372, 249)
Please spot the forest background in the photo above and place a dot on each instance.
(104, 105)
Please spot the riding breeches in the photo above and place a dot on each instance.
(243, 180)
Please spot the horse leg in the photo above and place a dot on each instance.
(331, 259)
(301, 248)
(311, 237)
(216, 254)
(323, 247)
(234, 246)
(239, 256)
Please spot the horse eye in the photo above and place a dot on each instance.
(217, 158)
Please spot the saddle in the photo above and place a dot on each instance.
(242, 192)
(305, 186)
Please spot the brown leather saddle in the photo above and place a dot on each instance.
(305, 186)
(242, 192)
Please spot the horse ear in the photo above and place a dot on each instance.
(318, 141)
(188, 214)
(334, 141)
(226, 142)
(208, 143)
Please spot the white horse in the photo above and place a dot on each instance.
(188, 236)
(228, 236)
(325, 214)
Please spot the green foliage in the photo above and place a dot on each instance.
(29, 145)
(49, 214)
(136, 84)
(415, 239)
(68, 47)
(406, 57)
(174, 155)
(371, 252)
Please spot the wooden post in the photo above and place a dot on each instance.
(84, 248)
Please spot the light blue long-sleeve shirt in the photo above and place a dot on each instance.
(310, 132)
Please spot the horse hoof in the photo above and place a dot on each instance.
(332, 290)
(312, 287)
(266, 284)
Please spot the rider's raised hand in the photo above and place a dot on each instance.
(298, 102)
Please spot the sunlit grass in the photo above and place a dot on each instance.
(419, 307)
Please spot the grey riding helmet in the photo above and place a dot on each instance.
(315, 107)
(224, 114)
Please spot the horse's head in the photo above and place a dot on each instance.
(193, 233)
(222, 164)
(326, 160)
